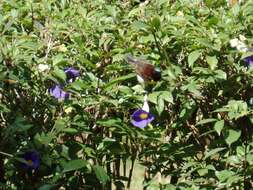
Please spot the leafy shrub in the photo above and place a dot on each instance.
(201, 137)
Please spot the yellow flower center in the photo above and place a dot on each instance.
(143, 116)
(29, 162)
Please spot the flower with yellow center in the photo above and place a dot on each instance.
(143, 115)
(29, 162)
(32, 159)
(141, 118)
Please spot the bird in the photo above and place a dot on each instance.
(145, 71)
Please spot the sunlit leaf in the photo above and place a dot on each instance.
(193, 56)
(232, 136)
(74, 165)
(218, 126)
(212, 62)
(213, 152)
(101, 174)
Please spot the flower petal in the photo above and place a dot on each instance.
(248, 60)
(71, 73)
(140, 124)
(242, 37)
(138, 121)
(137, 113)
(234, 42)
(43, 67)
(145, 106)
(58, 92)
(33, 157)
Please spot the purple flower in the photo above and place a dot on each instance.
(58, 92)
(141, 118)
(71, 73)
(32, 159)
(249, 61)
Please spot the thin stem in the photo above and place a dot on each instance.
(108, 169)
(131, 172)
(32, 16)
(247, 185)
(6, 154)
(98, 85)
(157, 44)
(161, 51)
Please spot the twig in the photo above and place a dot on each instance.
(131, 172)
(161, 52)
(32, 16)
(157, 44)
(6, 154)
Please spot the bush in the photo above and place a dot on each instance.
(71, 128)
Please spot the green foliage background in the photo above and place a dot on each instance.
(201, 137)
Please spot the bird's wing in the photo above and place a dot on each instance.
(145, 70)
(131, 59)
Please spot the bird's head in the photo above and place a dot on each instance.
(156, 75)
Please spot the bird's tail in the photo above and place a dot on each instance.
(130, 59)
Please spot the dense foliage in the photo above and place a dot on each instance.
(74, 132)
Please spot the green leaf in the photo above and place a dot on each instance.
(78, 85)
(74, 165)
(206, 43)
(233, 159)
(20, 124)
(118, 80)
(156, 23)
(167, 96)
(221, 74)
(59, 60)
(46, 187)
(193, 56)
(60, 74)
(212, 62)
(202, 171)
(110, 122)
(232, 136)
(59, 125)
(213, 21)
(170, 187)
(234, 180)
(153, 97)
(44, 138)
(101, 174)
(160, 105)
(218, 126)
(224, 175)
(240, 151)
(4, 108)
(237, 109)
(138, 25)
(213, 152)
(70, 130)
(204, 121)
